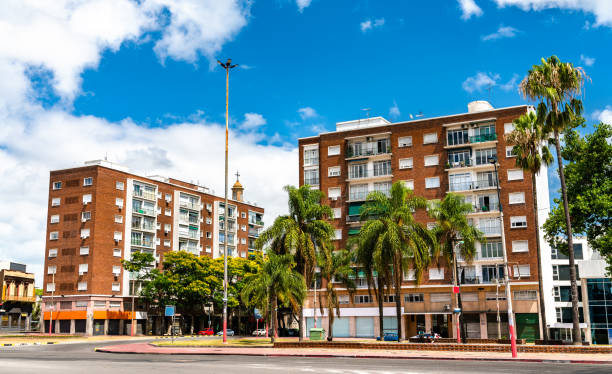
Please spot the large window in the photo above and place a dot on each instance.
(486, 179)
(311, 157)
(383, 187)
(482, 155)
(557, 255)
(456, 137)
(311, 177)
(492, 272)
(382, 168)
(358, 171)
(358, 191)
(459, 158)
(562, 272)
(433, 182)
(492, 249)
(460, 182)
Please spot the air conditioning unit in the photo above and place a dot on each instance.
(83, 219)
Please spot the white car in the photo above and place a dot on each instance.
(230, 332)
(259, 332)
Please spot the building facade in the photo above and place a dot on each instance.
(433, 157)
(100, 213)
(17, 298)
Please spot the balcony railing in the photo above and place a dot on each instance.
(483, 138)
(143, 226)
(148, 195)
(145, 211)
(256, 222)
(143, 243)
(30, 299)
(367, 149)
(490, 230)
(460, 164)
(254, 233)
(485, 208)
(190, 205)
(472, 185)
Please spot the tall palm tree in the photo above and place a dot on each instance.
(529, 146)
(335, 269)
(557, 84)
(278, 284)
(397, 240)
(451, 226)
(300, 233)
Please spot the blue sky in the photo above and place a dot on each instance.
(136, 81)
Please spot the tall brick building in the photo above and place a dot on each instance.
(435, 156)
(100, 213)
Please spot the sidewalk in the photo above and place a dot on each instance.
(145, 348)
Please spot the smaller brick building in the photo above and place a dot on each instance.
(100, 213)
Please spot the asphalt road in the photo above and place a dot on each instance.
(81, 358)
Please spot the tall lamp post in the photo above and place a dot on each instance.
(457, 311)
(493, 160)
(52, 303)
(227, 66)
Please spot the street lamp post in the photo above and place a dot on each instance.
(456, 290)
(52, 303)
(227, 66)
(493, 160)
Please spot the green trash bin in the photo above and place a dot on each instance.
(317, 334)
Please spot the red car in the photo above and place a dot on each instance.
(208, 331)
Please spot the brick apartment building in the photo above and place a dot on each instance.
(434, 156)
(100, 213)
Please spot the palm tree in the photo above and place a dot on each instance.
(300, 232)
(451, 226)
(529, 141)
(335, 269)
(278, 284)
(397, 240)
(557, 84)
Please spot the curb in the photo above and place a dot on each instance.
(322, 355)
(23, 344)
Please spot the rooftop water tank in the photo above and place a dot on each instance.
(479, 106)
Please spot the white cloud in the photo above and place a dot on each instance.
(369, 25)
(394, 111)
(469, 9)
(601, 9)
(480, 81)
(502, 32)
(511, 84)
(252, 121)
(604, 116)
(586, 60)
(302, 4)
(307, 112)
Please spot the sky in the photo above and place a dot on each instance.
(137, 82)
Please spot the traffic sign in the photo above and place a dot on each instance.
(169, 311)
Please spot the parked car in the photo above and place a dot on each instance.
(425, 337)
(390, 337)
(230, 332)
(207, 331)
(259, 332)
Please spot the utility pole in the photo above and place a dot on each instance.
(493, 160)
(227, 66)
(52, 302)
(456, 291)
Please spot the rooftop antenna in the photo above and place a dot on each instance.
(106, 156)
(367, 110)
(416, 115)
(489, 90)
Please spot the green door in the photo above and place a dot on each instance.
(527, 326)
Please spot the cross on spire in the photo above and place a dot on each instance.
(237, 175)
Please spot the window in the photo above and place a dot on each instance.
(562, 272)
(518, 222)
(404, 141)
(86, 199)
(83, 268)
(84, 233)
(493, 296)
(430, 138)
(81, 304)
(431, 160)
(492, 249)
(363, 299)
(343, 299)
(409, 274)
(413, 298)
(564, 293)
(120, 186)
(208, 235)
(243, 227)
(168, 212)
(116, 270)
(405, 163)
(119, 202)
(55, 201)
(208, 250)
(409, 184)
(118, 219)
(88, 181)
(117, 235)
(167, 242)
(53, 235)
(333, 150)
(50, 287)
(525, 295)
(167, 227)
(333, 193)
(53, 252)
(333, 171)
(520, 246)
(115, 287)
(51, 269)
(311, 177)
(382, 168)
(311, 157)
(456, 137)
(243, 215)
(432, 182)
(440, 297)
(388, 298)
(508, 128)
(509, 152)
(516, 198)
(521, 271)
(85, 216)
(84, 251)
(492, 272)
(436, 273)
(383, 187)
(482, 155)
(208, 220)
(515, 174)
(117, 252)
(55, 218)
(337, 213)
(338, 234)
(57, 185)
(459, 159)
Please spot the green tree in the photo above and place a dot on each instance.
(557, 84)
(335, 269)
(529, 147)
(300, 233)
(138, 266)
(397, 240)
(451, 226)
(589, 191)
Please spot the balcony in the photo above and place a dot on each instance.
(472, 185)
(367, 149)
(465, 141)
(27, 299)
(254, 233)
(143, 226)
(257, 222)
(147, 195)
(485, 208)
(490, 230)
(483, 138)
(143, 243)
(462, 164)
(190, 205)
(144, 211)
